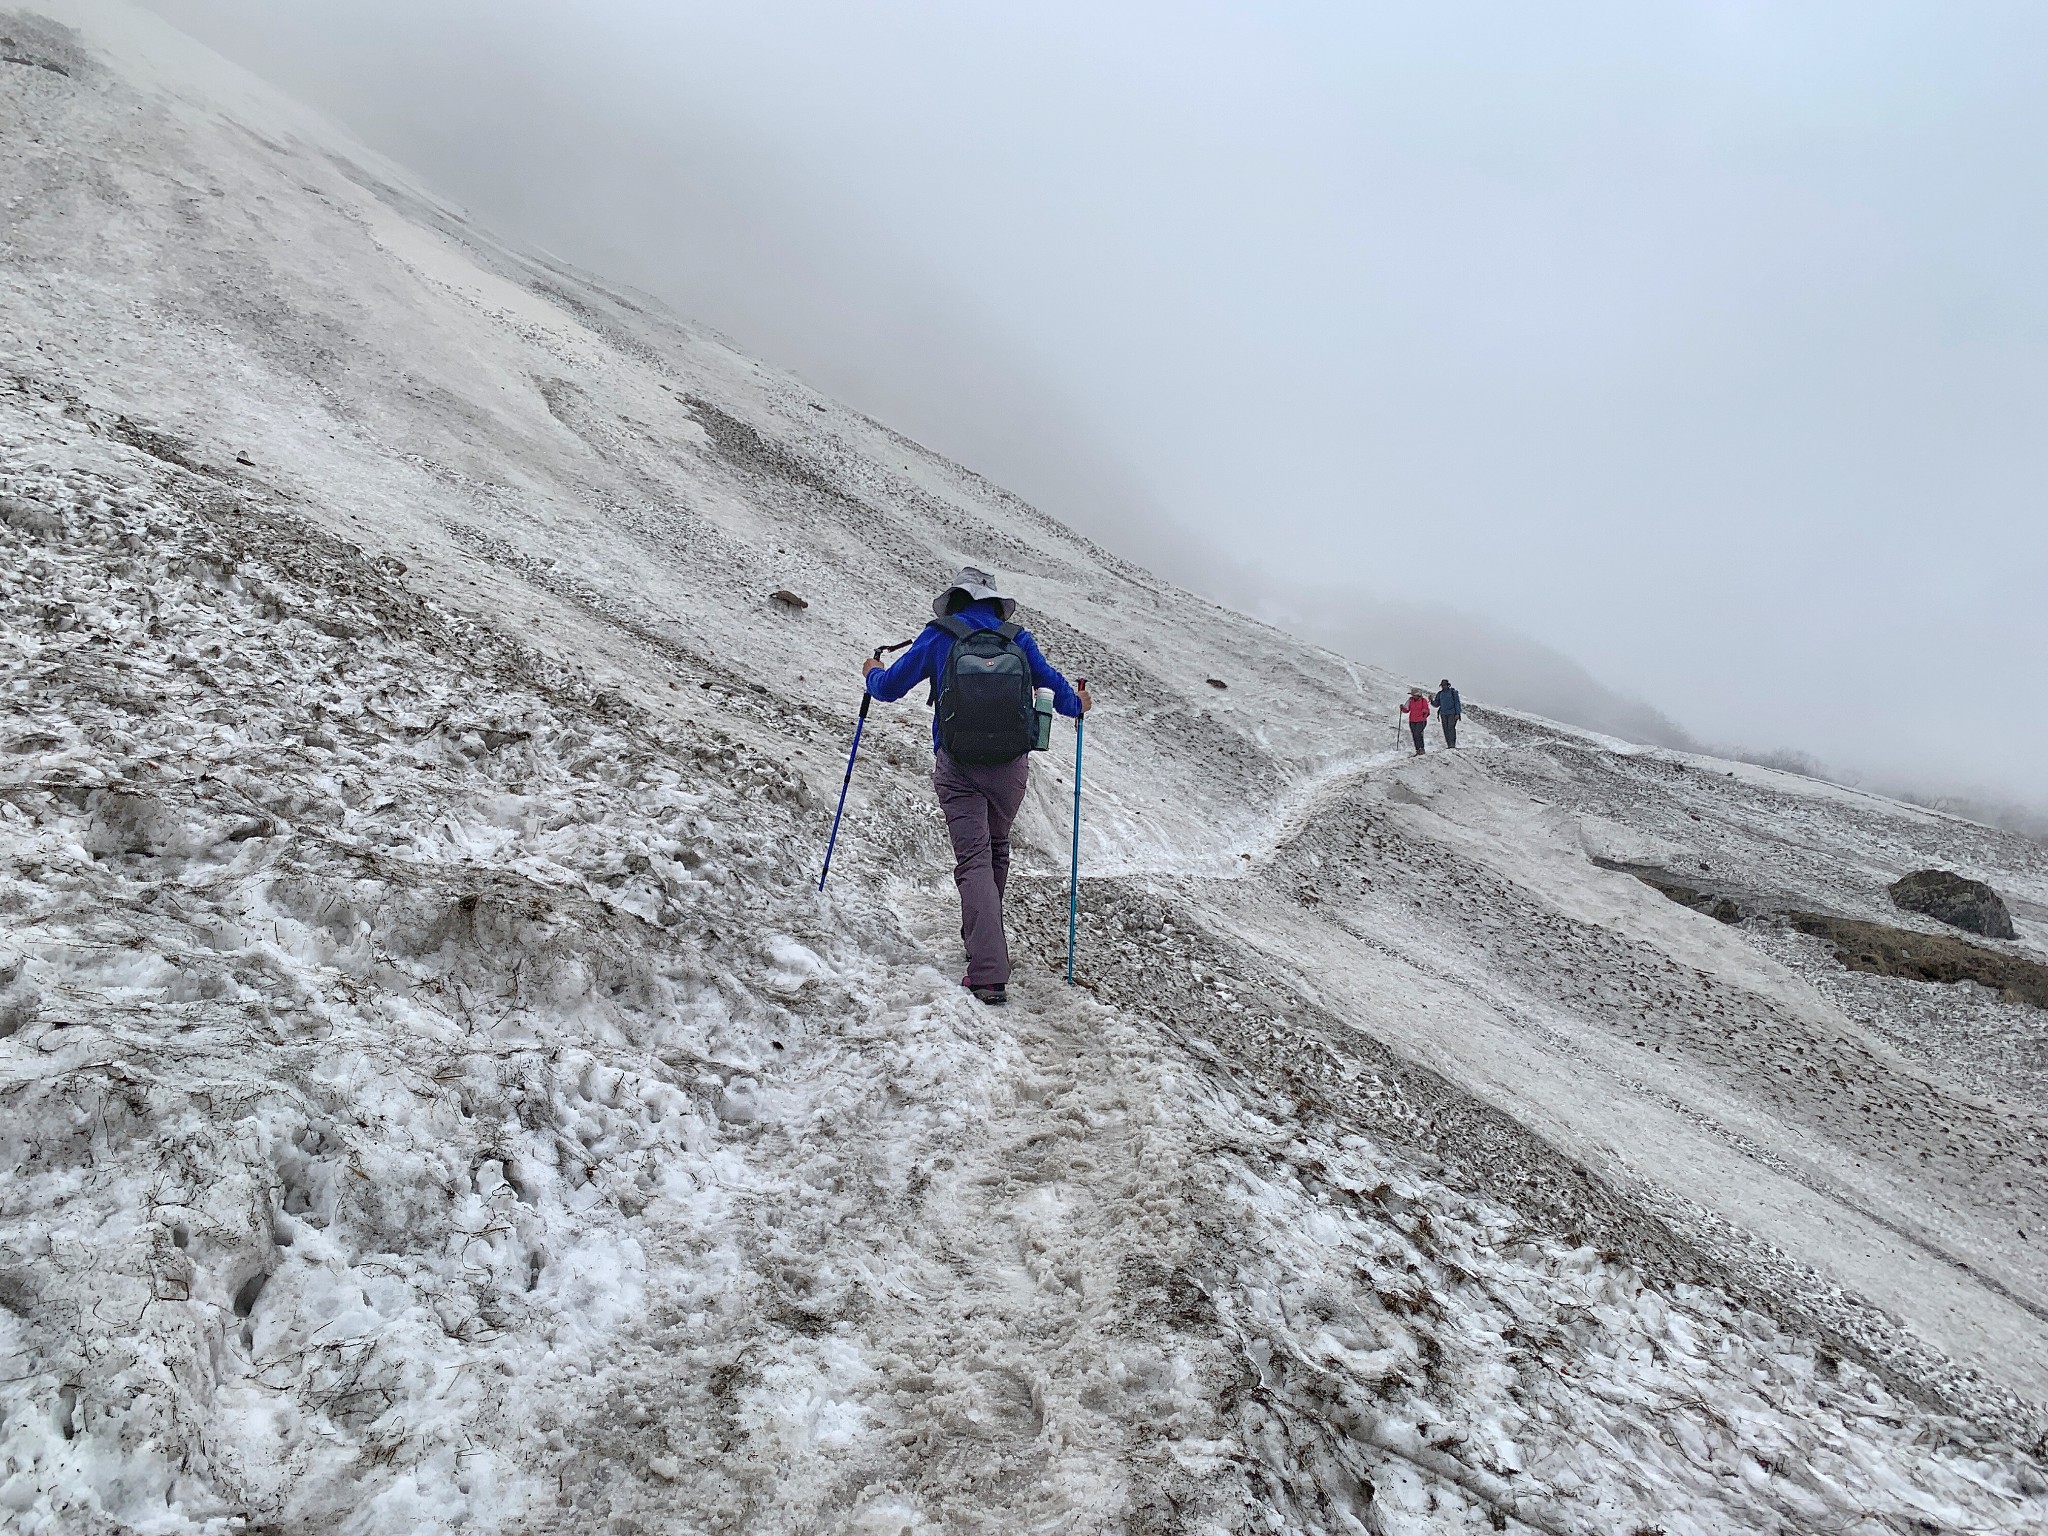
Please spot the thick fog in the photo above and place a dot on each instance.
(1705, 344)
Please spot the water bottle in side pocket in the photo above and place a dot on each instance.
(1042, 712)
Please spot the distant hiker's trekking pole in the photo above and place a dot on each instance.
(859, 725)
(1074, 872)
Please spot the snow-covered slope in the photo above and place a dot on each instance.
(433, 1095)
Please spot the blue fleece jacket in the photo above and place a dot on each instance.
(1448, 703)
(926, 659)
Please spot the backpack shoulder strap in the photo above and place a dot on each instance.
(1009, 631)
(951, 624)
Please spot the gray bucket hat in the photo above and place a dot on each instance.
(979, 587)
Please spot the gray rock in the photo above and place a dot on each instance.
(42, 524)
(20, 1002)
(1970, 905)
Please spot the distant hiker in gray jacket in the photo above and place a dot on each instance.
(983, 671)
(1448, 707)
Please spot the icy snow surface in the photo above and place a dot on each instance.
(433, 1095)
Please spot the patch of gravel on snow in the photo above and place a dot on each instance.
(1964, 1033)
(1405, 1342)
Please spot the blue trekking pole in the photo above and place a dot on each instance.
(1074, 874)
(846, 783)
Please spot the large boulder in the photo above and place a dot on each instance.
(1949, 898)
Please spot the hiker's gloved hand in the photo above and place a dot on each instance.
(1081, 692)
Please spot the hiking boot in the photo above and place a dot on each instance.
(994, 996)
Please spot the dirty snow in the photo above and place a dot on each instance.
(433, 1095)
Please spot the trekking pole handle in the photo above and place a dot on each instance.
(866, 699)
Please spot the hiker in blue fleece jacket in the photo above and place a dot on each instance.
(980, 800)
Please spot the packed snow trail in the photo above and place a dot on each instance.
(433, 1095)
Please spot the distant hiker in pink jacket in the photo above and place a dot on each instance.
(1416, 710)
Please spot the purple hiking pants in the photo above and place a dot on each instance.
(981, 801)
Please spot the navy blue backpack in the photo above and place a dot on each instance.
(983, 694)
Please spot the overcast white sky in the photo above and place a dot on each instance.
(1706, 341)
